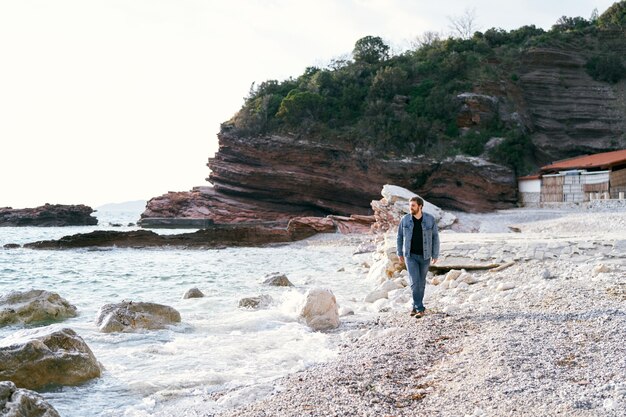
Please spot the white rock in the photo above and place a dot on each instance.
(546, 274)
(375, 295)
(402, 282)
(453, 274)
(600, 268)
(451, 309)
(389, 285)
(320, 309)
(399, 197)
(452, 284)
(504, 286)
(381, 305)
(34, 306)
(467, 278)
(345, 311)
(129, 316)
(462, 286)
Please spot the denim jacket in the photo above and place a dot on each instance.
(430, 236)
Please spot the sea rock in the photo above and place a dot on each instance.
(48, 215)
(320, 309)
(129, 316)
(212, 236)
(259, 301)
(19, 402)
(12, 245)
(193, 293)
(277, 279)
(35, 359)
(34, 306)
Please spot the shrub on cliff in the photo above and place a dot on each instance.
(614, 17)
(608, 68)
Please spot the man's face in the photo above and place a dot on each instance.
(415, 208)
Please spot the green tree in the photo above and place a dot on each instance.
(614, 16)
(370, 50)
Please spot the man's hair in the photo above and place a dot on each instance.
(418, 200)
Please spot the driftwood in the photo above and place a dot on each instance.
(501, 267)
(441, 268)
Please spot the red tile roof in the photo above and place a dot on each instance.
(599, 160)
(530, 177)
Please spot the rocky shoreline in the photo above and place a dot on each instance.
(48, 215)
(542, 335)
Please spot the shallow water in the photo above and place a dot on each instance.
(216, 346)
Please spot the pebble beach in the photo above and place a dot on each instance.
(542, 336)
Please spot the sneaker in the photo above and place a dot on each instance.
(413, 312)
(420, 314)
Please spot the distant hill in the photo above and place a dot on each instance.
(135, 205)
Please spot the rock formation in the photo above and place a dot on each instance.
(214, 236)
(320, 309)
(259, 301)
(48, 215)
(37, 359)
(34, 306)
(19, 402)
(193, 293)
(277, 279)
(129, 316)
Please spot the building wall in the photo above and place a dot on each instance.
(618, 182)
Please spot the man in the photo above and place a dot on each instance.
(417, 246)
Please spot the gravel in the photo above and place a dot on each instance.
(552, 344)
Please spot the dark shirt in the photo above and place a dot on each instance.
(417, 240)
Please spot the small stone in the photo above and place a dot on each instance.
(259, 301)
(277, 279)
(505, 286)
(546, 274)
(600, 268)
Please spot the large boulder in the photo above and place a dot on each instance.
(19, 402)
(36, 359)
(34, 306)
(129, 316)
(320, 309)
(395, 203)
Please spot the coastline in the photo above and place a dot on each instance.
(543, 344)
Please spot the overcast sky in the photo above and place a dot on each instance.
(108, 101)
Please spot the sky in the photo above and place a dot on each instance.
(117, 100)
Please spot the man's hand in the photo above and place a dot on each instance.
(401, 258)
(434, 261)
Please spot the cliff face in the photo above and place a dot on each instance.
(569, 113)
(552, 99)
(313, 178)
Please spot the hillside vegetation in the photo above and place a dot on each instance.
(407, 104)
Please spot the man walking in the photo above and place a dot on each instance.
(417, 245)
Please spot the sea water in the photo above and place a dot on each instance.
(217, 346)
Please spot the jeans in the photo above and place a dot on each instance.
(417, 267)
